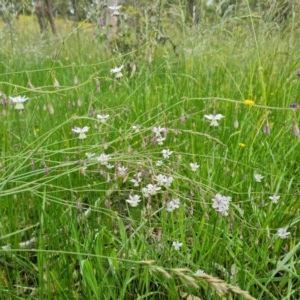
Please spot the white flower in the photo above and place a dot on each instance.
(274, 198)
(166, 153)
(103, 159)
(115, 7)
(199, 272)
(150, 190)
(133, 200)
(159, 130)
(160, 140)
(163, 180)
(283, 233)
(194, 166)
(102, 118)
(109, 166)
(136, 128)
(172, 205)
(89, 155)
(258, 177)
(122, 171)
(177, 245)
(214, 119)
(117, 71)
(18, 100)
(159, 163)
(137, 178)
(81, 131)
(221, 204)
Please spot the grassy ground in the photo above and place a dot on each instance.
(66, 229)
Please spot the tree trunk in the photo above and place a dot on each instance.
(43, 9)
(111, 20)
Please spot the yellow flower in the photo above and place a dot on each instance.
(249, 102)
(242, 145)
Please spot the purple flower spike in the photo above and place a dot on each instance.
(298, 73)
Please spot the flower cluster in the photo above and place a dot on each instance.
(221, 204)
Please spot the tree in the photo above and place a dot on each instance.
(44, 10)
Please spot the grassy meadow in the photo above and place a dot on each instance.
(174, 177)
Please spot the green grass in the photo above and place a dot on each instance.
(66, 231)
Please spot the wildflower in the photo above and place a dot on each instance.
(160, 140)
(194, 166)
(177, 245)
(122, 171)
(18, 100)
(133, 200)
(294, 105)
(267, 129)
(159, 163)
(274, 199)
(242, 145)
(298, 73)
(249, 102)
(89, 155)
(159, 130)
(199, 272)
(182, 118)
(214, 119)
(236, 124)
(117, 71)
(81, 131)
(296, 130)
(283, 233)
(56, 83)
(221, 204)
(258, 177)
(172, 205)
(103, 159)
(163, 180)
(137, 179)
(150, 190)
(115, 9)
(102, 118)
(166, 153)
(98, 85)
(136, 128)
(109, 166)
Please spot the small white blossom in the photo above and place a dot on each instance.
(166, 153)
(102, 118)
(214, 119)
(199, 272)
(258, 177)
(159, 130)
(137, 178)
(133, 200)
(163, 180)
(122, 171)
(283, 233)
(81, 131)
(19, 100)
(172, 205)
(274, 198)
(194, 166)
(160, 140)
(150, 190)
(115, 7)
(117, 71)
(136, 128)
(177, 245)
(109, 166)
(221, 204)
(103, 159)
(159, 163)
(89, 155)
